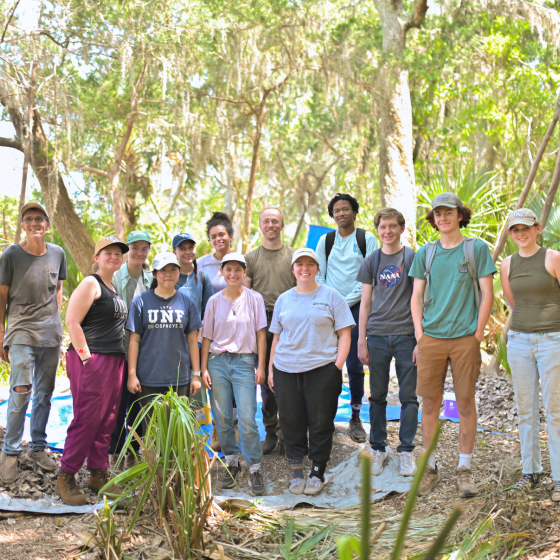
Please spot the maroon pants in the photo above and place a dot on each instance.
(96, 392)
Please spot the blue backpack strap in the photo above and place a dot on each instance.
(409, 255)
(470, 261)
(431, 249)
(374, 265)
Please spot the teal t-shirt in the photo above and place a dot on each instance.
(452, 312)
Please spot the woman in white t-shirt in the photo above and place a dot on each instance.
(311, 325)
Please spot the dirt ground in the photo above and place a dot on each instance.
(496, 465)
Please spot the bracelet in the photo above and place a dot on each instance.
(196, 373)
(82, 350)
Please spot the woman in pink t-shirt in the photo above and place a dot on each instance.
(234, 332)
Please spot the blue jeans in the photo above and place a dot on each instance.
(35, 366)
(532, 356)
(382, 349)
(233, 375)
(353, 365)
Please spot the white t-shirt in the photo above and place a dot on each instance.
(307, 324)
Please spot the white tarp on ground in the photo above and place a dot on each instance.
(46, 505)
(342, 488)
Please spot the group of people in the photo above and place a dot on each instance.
(285, 320)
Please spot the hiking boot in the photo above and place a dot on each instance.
(215, 442)
(429, 480)
(98, 478)
(408, 464)
(465, 482)
(69, 492)
(356, 430)
(379, 459)
(526, 483)
(129, 461)
(256, 484)
(314, 486)
(269, 444)
(9, 468)
(556, 491)
(42, 459)
(113, 460)
(228, 478)
(297, 485)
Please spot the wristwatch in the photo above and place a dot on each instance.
(196, 373)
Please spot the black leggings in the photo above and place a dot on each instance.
(308, 401)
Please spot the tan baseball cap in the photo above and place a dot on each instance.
(110, 240)
(236, 257)
(523, 216)
(449, 199)
(305, 252)
(34, 206)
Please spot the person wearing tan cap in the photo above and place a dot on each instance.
(31, 275)
(451, 302)
(530, 282)
(95, 319)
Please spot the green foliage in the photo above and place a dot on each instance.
(304, 548)
(500, 352)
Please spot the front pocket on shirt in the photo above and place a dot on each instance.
(53, 281)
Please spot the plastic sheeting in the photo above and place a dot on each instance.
(46, 505)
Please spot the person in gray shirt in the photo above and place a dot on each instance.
(386, 331)
(31, 275)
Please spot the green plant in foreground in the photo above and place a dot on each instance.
(111, 539)
(350, 545)
(288, 551)
(173, 473)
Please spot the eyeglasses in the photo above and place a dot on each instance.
(341, 210)
(37, 219)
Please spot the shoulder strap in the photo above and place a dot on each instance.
(470, 258)
(202, 277)
(329, 242)
(361, 240)
(431, 249)
(408, 258)
(374, 263)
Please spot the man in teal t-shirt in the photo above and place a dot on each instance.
(449, 327)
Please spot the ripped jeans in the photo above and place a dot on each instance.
(35, 366)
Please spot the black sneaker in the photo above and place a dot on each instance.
(526, 484)
(228, 478)
(256, 484)
(356, 430)
(269, 444)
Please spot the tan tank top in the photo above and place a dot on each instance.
(536, 295)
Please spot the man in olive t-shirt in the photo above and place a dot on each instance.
(269, 273)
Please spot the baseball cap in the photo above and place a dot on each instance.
(522, 216)
(180, 237)
(110, 240)
(138, 236)
(236, 257)
(163, 259)
(305, 252)
(34, 206)
(449, 199)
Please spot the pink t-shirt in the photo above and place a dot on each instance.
(232, 325)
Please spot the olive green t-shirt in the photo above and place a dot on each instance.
(270, 272)
(452, 312)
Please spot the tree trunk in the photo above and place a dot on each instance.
(59, 206)
(396, 167)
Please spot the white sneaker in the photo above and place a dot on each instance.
(379, 458)
(314, 486)
(297, 485)
(408, 464)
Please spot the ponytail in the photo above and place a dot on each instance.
(154, 284)
(195, 270)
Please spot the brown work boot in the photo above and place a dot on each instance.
(113, 460)
(129, 461)
(42, 459)
(68, 489)
(9, 469)
(215, 442)
(465, 482)
(98, 478)
(429, 480)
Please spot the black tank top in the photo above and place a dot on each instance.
(104, 323)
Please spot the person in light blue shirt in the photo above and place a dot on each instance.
(341, 254)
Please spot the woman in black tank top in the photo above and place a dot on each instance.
(95, 363)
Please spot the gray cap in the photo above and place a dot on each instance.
(449, 199)
(522, 216)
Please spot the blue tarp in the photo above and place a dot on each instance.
(315, 233)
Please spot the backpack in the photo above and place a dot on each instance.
(331, 236)
(376, 256)
(470, 261)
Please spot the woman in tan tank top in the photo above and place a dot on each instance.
(530, 282)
